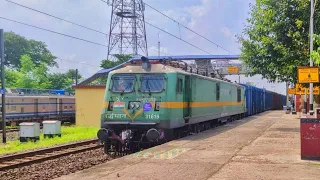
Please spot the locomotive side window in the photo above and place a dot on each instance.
(217, 91)
(179, 85)
(239, 95)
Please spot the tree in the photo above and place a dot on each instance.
(276, 39)
(71, 74)
(32, 76)
(29, 75)
(60, 81)
(120, 58)
(106, 64)
(16, 46)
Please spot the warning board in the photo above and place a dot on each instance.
(233, 70)
(315, 90)
(291, 91)
(308, 74)
(301, 90)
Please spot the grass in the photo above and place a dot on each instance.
(315, 164)
(12, 127)
(68, 134)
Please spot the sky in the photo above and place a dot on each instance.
(217, 20)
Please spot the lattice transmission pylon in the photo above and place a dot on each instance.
(127, 33)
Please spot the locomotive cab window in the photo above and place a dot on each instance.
(152, 83)
(238, 95)
(217, 91)
(123, 83)
(179, 85)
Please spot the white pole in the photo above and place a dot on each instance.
(311, 49)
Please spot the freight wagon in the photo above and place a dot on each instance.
(259, 100)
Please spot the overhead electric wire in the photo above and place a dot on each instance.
(82, 26)
(58, 58)
(171, 34)
(66, 35)
(187, 27)
(73, 23)
(177, 37)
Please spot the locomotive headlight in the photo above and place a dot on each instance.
(157, 106)
(131, 105)
(137, 105)
(110, 107)
(134, 105)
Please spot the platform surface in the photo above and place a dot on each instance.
(264, 146)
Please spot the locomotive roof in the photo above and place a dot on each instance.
(159, 68)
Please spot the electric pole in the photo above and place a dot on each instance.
(311, 49)
(3, 92)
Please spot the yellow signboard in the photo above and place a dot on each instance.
(308, 74)
(315, 90)
(233, 70)
(291, 91)
(301, 90)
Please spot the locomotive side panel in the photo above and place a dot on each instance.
(212, 99)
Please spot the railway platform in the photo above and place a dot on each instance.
(264, 146)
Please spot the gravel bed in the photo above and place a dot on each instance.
(11, 136)
(30, 150)
(58, 167)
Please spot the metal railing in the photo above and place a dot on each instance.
(38, 92)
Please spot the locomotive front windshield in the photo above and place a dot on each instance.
(151, 83)
(123, 83)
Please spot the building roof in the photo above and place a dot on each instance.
(105, 72)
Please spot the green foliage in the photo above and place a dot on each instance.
(121, 58)
(60, 81)
(68, 134)
(16, 46)
(316, 53)
(30, 75)
(106, 64)
(71, 74)
(276, 39)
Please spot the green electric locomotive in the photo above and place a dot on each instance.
(153, 101)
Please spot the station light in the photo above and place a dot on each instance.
(157, 106)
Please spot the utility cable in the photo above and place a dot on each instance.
(79, 25)
(66, 35)
(186, 27)
(58, 58)
(73, 23)
(177, 37)
(171, 34)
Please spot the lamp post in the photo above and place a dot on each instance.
(311, 49)
(3, 105)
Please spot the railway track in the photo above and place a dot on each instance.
(27, 158)
(10, 130)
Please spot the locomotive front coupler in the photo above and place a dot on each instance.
(105, 134)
